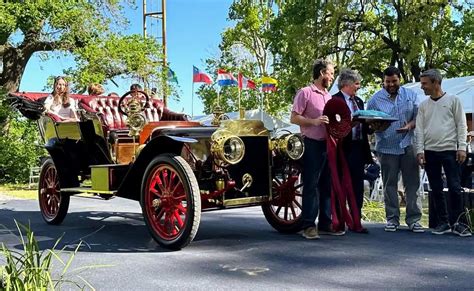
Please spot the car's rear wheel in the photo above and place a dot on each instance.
(283, 211)
(171, 203)
(53, 204)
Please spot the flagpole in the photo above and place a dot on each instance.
(261, 105)
(240, 108)
(192, 100)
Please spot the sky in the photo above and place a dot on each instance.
(194, 30)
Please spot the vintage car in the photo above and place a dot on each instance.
(133, 147)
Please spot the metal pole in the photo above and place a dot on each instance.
(192, 101)
(144, 18)
(163, 31)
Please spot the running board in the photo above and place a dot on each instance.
(88, 190)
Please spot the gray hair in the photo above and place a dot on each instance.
(434, 75)
(348, 77)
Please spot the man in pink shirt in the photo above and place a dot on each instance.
(307, 112)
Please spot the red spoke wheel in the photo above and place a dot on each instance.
(170, 200)
(53, 204)
(283, 211)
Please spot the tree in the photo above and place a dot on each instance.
(245, 48)
(83, 28)
(371, 35)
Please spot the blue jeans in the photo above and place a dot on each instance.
(447, 160)
(317, 184)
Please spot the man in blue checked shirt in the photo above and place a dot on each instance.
(394, 147)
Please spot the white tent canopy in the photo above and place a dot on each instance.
(269, 122)
(463, 87)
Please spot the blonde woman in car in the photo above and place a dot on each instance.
(59, 104)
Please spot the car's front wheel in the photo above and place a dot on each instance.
(283, 211)
(171, 203)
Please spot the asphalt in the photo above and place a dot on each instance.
(237, 248)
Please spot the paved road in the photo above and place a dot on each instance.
(238, 249)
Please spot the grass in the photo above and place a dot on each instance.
(19, 191)
(374, 211)
(32, 268)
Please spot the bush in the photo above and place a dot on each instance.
(18, 145)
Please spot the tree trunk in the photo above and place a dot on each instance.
(14, 64)
(415, 71)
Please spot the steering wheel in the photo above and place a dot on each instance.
(139, 95)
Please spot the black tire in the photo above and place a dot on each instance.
(283, 211)
(53, 204)
(171, 212)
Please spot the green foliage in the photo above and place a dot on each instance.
(371, 35)
(245, 49)
(89, 30)
(363, 35)
(18, 149)
(117, 55)
(31, 269)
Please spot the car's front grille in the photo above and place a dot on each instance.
(255, 162)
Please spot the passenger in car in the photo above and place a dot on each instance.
(95, 89)
(59, 104)
(135, 87)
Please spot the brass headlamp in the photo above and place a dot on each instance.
(136, 121)
(291, 145)
(227, 149)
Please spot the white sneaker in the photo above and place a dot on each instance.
(416, 227)
(391, 227)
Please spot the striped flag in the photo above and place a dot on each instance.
(225, 79)
(269, 84)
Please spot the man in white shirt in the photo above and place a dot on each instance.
(441, 142)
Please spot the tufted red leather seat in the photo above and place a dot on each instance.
(114, 120)
(107, 109)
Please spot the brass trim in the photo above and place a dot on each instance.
(97, 126)
(219, 138)
(244, 201)
(87, 190)
(280, 145)
(69, 130)
(245, 127)
(100, 178)
(48, 128)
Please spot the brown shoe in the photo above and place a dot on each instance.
(311, 233)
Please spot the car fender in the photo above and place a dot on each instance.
(163, 144)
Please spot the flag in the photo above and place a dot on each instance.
(172, 76)
(200, 77)
(269, 84)
(225, 79)
(245, 83)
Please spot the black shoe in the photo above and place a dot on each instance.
(442, 229)
(461, 230)
(330, 231)
(362, 230)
